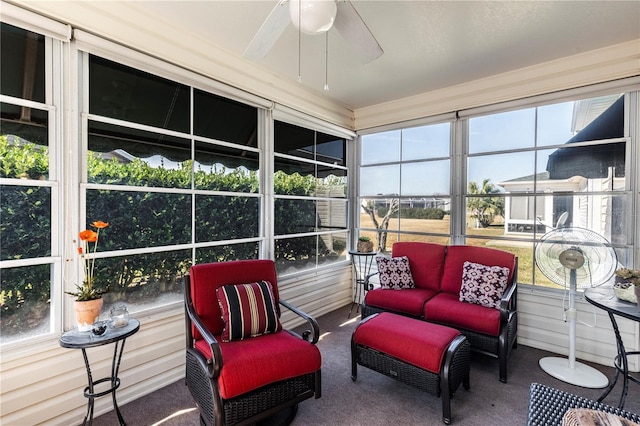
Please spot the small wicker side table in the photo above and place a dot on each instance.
(75, 339)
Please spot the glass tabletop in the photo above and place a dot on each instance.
(86, 339)
(604, 298)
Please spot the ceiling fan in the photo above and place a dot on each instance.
(315, 17)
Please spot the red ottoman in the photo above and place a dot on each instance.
(430, 357)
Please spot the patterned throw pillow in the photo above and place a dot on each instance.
(395, 273)
(248, 310)
(483, 285)
(590, 417)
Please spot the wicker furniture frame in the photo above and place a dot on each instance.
(453, 372)
(500, 346)
(276, 399)
(548, 405)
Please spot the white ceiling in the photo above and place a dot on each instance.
(428, 44)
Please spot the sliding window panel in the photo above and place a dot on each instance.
(331, 149)
(22, 64)
(220, 168)
(226, 218)
(582, 120)
(227, 252)
(504, 131)
(425, 215)
(25, 221)
(332, 182)
(140, 219)
(121, 92)
(296, 254)
(26, 302)
(294, 177)
(425, 178)
(24, 143)
(144, 280)
(602, 166)
(225, 120)
(332, 214)
(425, 142)
(336, 247)
(489, 173)
(294, 216)
(380, 148)
(380, 180)
(120, 155)
(294, 140)
(485, 215)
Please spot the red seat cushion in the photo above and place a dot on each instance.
(409, 300)
(446, 308)
(252, 363)
(413, 341)
(426, 261)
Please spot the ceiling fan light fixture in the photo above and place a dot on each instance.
(313, 17)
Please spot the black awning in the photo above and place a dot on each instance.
(593, 161)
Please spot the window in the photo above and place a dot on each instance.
(29, 187)
(405, 179)
(310, 201)
(535, 169)
(171, 196)
(525, 172)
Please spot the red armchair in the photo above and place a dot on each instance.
(241, 367)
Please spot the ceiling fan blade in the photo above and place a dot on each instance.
(354, 30)
(270, 31)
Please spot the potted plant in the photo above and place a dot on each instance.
(365, 245)
(626, 277)
(88, 301)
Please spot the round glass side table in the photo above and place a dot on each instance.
(75, 339)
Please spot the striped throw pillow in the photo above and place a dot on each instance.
(248, 310)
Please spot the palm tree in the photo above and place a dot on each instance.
(484, 209)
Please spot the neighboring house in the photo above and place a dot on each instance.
(572, 170)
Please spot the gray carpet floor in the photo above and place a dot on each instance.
(374, 399)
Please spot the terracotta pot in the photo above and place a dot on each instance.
(365, 246)
(86, 313)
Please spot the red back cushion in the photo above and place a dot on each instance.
(457, 255)
(206, 278)
(426, 261)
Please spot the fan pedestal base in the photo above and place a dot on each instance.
(581, 375)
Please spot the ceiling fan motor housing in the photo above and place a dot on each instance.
(313, 17)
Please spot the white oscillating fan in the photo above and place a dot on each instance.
(579, 258)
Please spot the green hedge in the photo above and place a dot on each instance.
(141, 219)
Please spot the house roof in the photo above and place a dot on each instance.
(593, 161)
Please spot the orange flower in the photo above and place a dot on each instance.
(86, 291)
(88, 235)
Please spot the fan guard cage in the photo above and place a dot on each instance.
(600, 259)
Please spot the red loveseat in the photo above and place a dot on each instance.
(437, 272)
